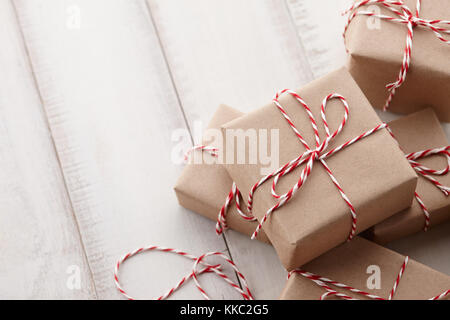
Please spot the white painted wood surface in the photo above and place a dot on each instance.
(39, 238)
(89, 99)
(240, 57)
(319, 26)
(112, 109)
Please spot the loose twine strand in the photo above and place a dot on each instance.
(195, 272)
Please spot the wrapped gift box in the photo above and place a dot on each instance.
(418, 132)
(376, 57)
(373, 172)
(366, 266)
(203, 187)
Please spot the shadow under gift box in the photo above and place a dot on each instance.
(376, 55)
(417, 132)
(349, 263)
(373, 172)
(203, 187)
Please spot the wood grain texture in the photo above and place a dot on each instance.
(112, 111)
(239, 53)
(319, 27)
(114, 80)
(234, 52)
(38, 233)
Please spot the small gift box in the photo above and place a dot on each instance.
(399, 54)
(361, 269)
(340, 170)
(204, 187)
(420, 134)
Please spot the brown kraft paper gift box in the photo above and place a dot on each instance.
(203, 188)
(373, 172)
(354, 262)
(376, 55)
(417, 132)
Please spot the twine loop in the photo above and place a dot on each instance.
(199, 267)
(428, 174)
(309, 157)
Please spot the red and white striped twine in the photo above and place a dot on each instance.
(427, 173)
(309, 157)
(206, 268)
(234, 193)
(326, 284)
(403, 15)
(211, 150)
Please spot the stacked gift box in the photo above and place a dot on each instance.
(342, 171)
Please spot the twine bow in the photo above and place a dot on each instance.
(428, 174)
(309, 157)
(326, 284)
(402, 15)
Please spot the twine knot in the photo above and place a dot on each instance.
(309, 157)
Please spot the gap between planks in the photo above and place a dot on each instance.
(36, 84)
(180, 103)
(101, 216)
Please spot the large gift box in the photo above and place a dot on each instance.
(415, 133)
(375, 180)
(380, 54)
(203, 187)
(374, 271)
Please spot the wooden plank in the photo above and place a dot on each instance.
(42, 255)
(319, 27)
(234, 52)
(112, 111)
(239, 53)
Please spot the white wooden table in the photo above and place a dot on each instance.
(90, 93)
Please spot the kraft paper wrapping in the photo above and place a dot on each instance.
(418, 132)
(376, 55)
(373, 173)
(349, 263)
(203, 188)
